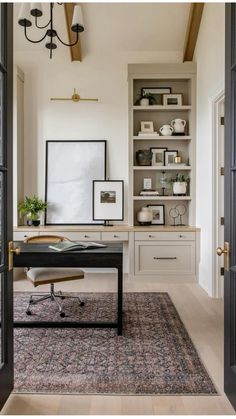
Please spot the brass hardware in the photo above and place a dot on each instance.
(11, 250)
(222, 221)
(222, 271)
(222, 120)
(226, 252)
(222, 171)
(75, 98)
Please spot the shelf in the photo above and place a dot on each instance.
(162, 198)
(165, 168)
(162, 108)
(163, 137)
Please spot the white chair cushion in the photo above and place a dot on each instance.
(37, 275)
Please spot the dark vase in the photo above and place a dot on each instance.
(36, 223)
(144, 157)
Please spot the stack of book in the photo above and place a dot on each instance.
(147, 134)
(149, 192)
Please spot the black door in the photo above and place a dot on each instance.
(230, 207)
(6, 291)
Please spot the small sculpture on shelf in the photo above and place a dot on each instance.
(178, 211)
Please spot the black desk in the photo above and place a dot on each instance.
(39, 255)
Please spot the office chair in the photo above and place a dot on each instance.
(41, 276)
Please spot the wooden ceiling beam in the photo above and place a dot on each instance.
(195, 16)
(75, 51)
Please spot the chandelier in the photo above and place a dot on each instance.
(34, 10)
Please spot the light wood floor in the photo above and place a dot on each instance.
(203, 318)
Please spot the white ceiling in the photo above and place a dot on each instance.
(121, 27)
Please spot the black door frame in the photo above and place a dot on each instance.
(6, 67)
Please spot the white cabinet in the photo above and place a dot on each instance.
(164, 258)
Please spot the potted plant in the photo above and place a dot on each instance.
(180, 182)
(32, 207)
(145, 99)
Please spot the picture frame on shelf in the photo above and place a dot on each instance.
(108, 200)
(147, 127)
(156, 92)
(158, 155)
(147, 183)
(158, 214)
(169, 157)
(174, 99)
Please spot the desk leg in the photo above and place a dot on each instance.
(120, 299)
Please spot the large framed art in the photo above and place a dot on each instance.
(71, 167)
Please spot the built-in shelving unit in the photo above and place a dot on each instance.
(180, 78)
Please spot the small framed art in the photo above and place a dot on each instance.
(158, 155)
(158, 214)
(170, 157)
(147, 127)
(108, 200)
(172, 100)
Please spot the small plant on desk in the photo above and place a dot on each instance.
(32, 207)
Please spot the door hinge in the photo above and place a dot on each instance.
(222, 120)
(222, 221)
(222, 271)
(222, 171)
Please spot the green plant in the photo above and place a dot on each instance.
(148, 96)
(32, 207)
(179, 178)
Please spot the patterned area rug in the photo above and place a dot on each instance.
(154, 356)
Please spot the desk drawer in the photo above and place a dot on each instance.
(77, 235)
(156, 235)
(121, 236)
(164, 258)
(21, 235)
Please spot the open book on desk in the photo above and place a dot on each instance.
(66, 246)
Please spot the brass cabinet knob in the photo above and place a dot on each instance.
(16, 251)
(220, 251)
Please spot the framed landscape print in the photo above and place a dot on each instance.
(71, 167)
(158, 214)
(108, 200)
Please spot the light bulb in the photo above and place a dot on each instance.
(77, 21)
(24, 18)
(36, 9)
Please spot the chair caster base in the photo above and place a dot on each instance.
(28, 312)
(62, 314)
(81, 304)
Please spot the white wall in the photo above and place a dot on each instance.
(100, 75)
(209, 55)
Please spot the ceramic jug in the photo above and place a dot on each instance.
(178, 125)
(166, 130)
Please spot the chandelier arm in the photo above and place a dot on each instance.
(31, 40)
(69, 45)
(41, 27)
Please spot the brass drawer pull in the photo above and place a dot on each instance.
(115, 236)
(150, 236)
(164, 258)
(86, 236)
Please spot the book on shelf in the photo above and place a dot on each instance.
(148, 134)
(149, 192)
(67, 246)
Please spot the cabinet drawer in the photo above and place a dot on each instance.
(156, 235)
(165, 258)
(115, 236)
(21, 235)
(77, 235)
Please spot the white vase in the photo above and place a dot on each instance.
(179, 188)
(166, 130)
(144, 101)
(144, 216)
